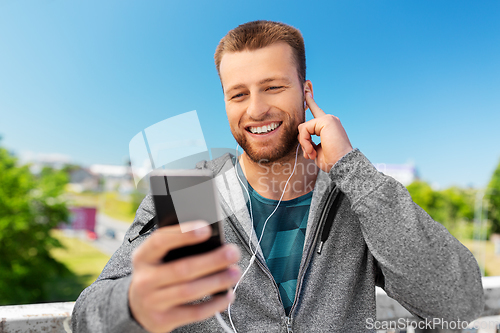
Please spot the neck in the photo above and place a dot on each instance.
(269, 179)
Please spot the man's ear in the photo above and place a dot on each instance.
(308, 88)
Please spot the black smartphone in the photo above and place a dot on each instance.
(185, 195)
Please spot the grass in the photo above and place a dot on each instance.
(118, 208)
(84, 260)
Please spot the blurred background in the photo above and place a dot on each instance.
(416, 85)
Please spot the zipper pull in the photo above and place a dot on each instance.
(289, 324)
(320, 247)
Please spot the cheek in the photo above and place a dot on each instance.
(232, 117)
(292, 101)
(296, 110)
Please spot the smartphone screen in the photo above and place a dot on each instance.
(185, 195)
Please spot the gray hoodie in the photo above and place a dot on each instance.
(379, 237)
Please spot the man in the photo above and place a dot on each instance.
(340, 227)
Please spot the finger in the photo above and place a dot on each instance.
(304, 154)
(179, 294)
(314, 153)
(185, 314)
(197, 266)
(305, 139)
(315, 109)
(168, 238)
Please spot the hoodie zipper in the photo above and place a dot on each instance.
(288, 320)
(289, 325)
(329, 201)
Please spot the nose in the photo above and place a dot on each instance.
(257, 107)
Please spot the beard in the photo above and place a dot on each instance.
(277, 150)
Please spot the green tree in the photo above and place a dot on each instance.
(30, 206)
(458, 204)
(452, 207)
(431, 201)
(493, 199)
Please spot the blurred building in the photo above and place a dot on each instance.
(114, 177)
(100, 177)
(82, 179)
(38, 161)
(403, 173)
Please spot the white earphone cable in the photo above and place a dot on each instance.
(254, 253)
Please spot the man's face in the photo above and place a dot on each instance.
(264, 101)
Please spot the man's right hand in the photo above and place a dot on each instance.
(159, 291)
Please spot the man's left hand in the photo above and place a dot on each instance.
(334, 141)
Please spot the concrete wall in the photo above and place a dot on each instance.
(56, 317)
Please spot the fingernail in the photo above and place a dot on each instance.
(310, 95)
(202, 230)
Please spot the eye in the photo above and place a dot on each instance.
(275, 87)
(237, 96)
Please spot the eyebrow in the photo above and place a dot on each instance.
(270, 79)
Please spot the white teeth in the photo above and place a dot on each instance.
(264, 129)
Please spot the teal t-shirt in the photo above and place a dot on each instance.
(283, 240)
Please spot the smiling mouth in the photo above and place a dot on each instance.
(264, 129)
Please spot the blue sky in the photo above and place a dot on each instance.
(411, 81)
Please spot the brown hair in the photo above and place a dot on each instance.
(258, 34)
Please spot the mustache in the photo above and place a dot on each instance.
(275, 116)
(264, 118)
